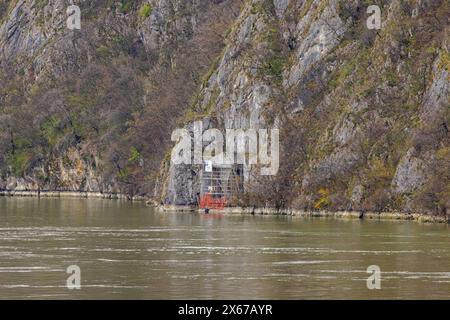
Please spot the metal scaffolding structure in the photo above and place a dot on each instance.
(222, 181)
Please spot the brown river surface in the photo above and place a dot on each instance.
(129, 251)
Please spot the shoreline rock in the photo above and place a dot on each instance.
(69, 194)
(386, 216)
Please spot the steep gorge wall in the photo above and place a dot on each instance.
(363, 114)
(92, 109)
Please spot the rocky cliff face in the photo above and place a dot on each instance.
(363, 114)
(91, 109)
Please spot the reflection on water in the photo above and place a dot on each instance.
(128, 251)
